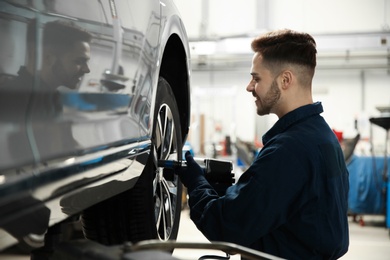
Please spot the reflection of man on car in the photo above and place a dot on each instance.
(65, 53)
(33, 95)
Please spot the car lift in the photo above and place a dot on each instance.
(83, 249)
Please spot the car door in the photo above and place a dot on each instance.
(98, 112)
(110, 103)
(15, 89)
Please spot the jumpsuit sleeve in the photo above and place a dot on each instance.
(258, 203)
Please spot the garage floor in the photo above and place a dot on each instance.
(370, 241)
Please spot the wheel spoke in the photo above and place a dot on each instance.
(167, 132)
(159, 133)
(164, 225)
(164, 211)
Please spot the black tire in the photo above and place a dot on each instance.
(151, 210)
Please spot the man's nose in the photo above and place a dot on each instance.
(250, 87)
(85, 69)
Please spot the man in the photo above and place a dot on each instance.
(292, 201)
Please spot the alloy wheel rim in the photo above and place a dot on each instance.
(165, 182)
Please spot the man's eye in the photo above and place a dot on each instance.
(81, 61)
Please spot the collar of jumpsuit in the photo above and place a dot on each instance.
(290, 118)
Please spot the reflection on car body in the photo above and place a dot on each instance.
(68, 149)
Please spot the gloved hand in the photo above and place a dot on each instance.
(192, 173)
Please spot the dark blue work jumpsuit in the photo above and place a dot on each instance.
(291, 202)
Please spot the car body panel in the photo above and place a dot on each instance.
(56, 162)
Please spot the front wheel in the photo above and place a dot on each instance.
(152, 208)
(167, 145)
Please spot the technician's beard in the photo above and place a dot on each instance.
(268, 102)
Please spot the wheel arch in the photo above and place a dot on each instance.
(175, 69)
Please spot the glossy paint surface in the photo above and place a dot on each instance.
(66, 147)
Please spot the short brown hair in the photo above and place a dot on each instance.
(61, 35)
(286, 47)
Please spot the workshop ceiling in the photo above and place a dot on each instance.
(350, 34)
(335, 51)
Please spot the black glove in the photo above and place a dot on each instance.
(191, 174)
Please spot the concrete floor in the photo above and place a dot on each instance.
(370, 241)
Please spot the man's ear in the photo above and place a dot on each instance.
(49, 59)
(286, 78)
